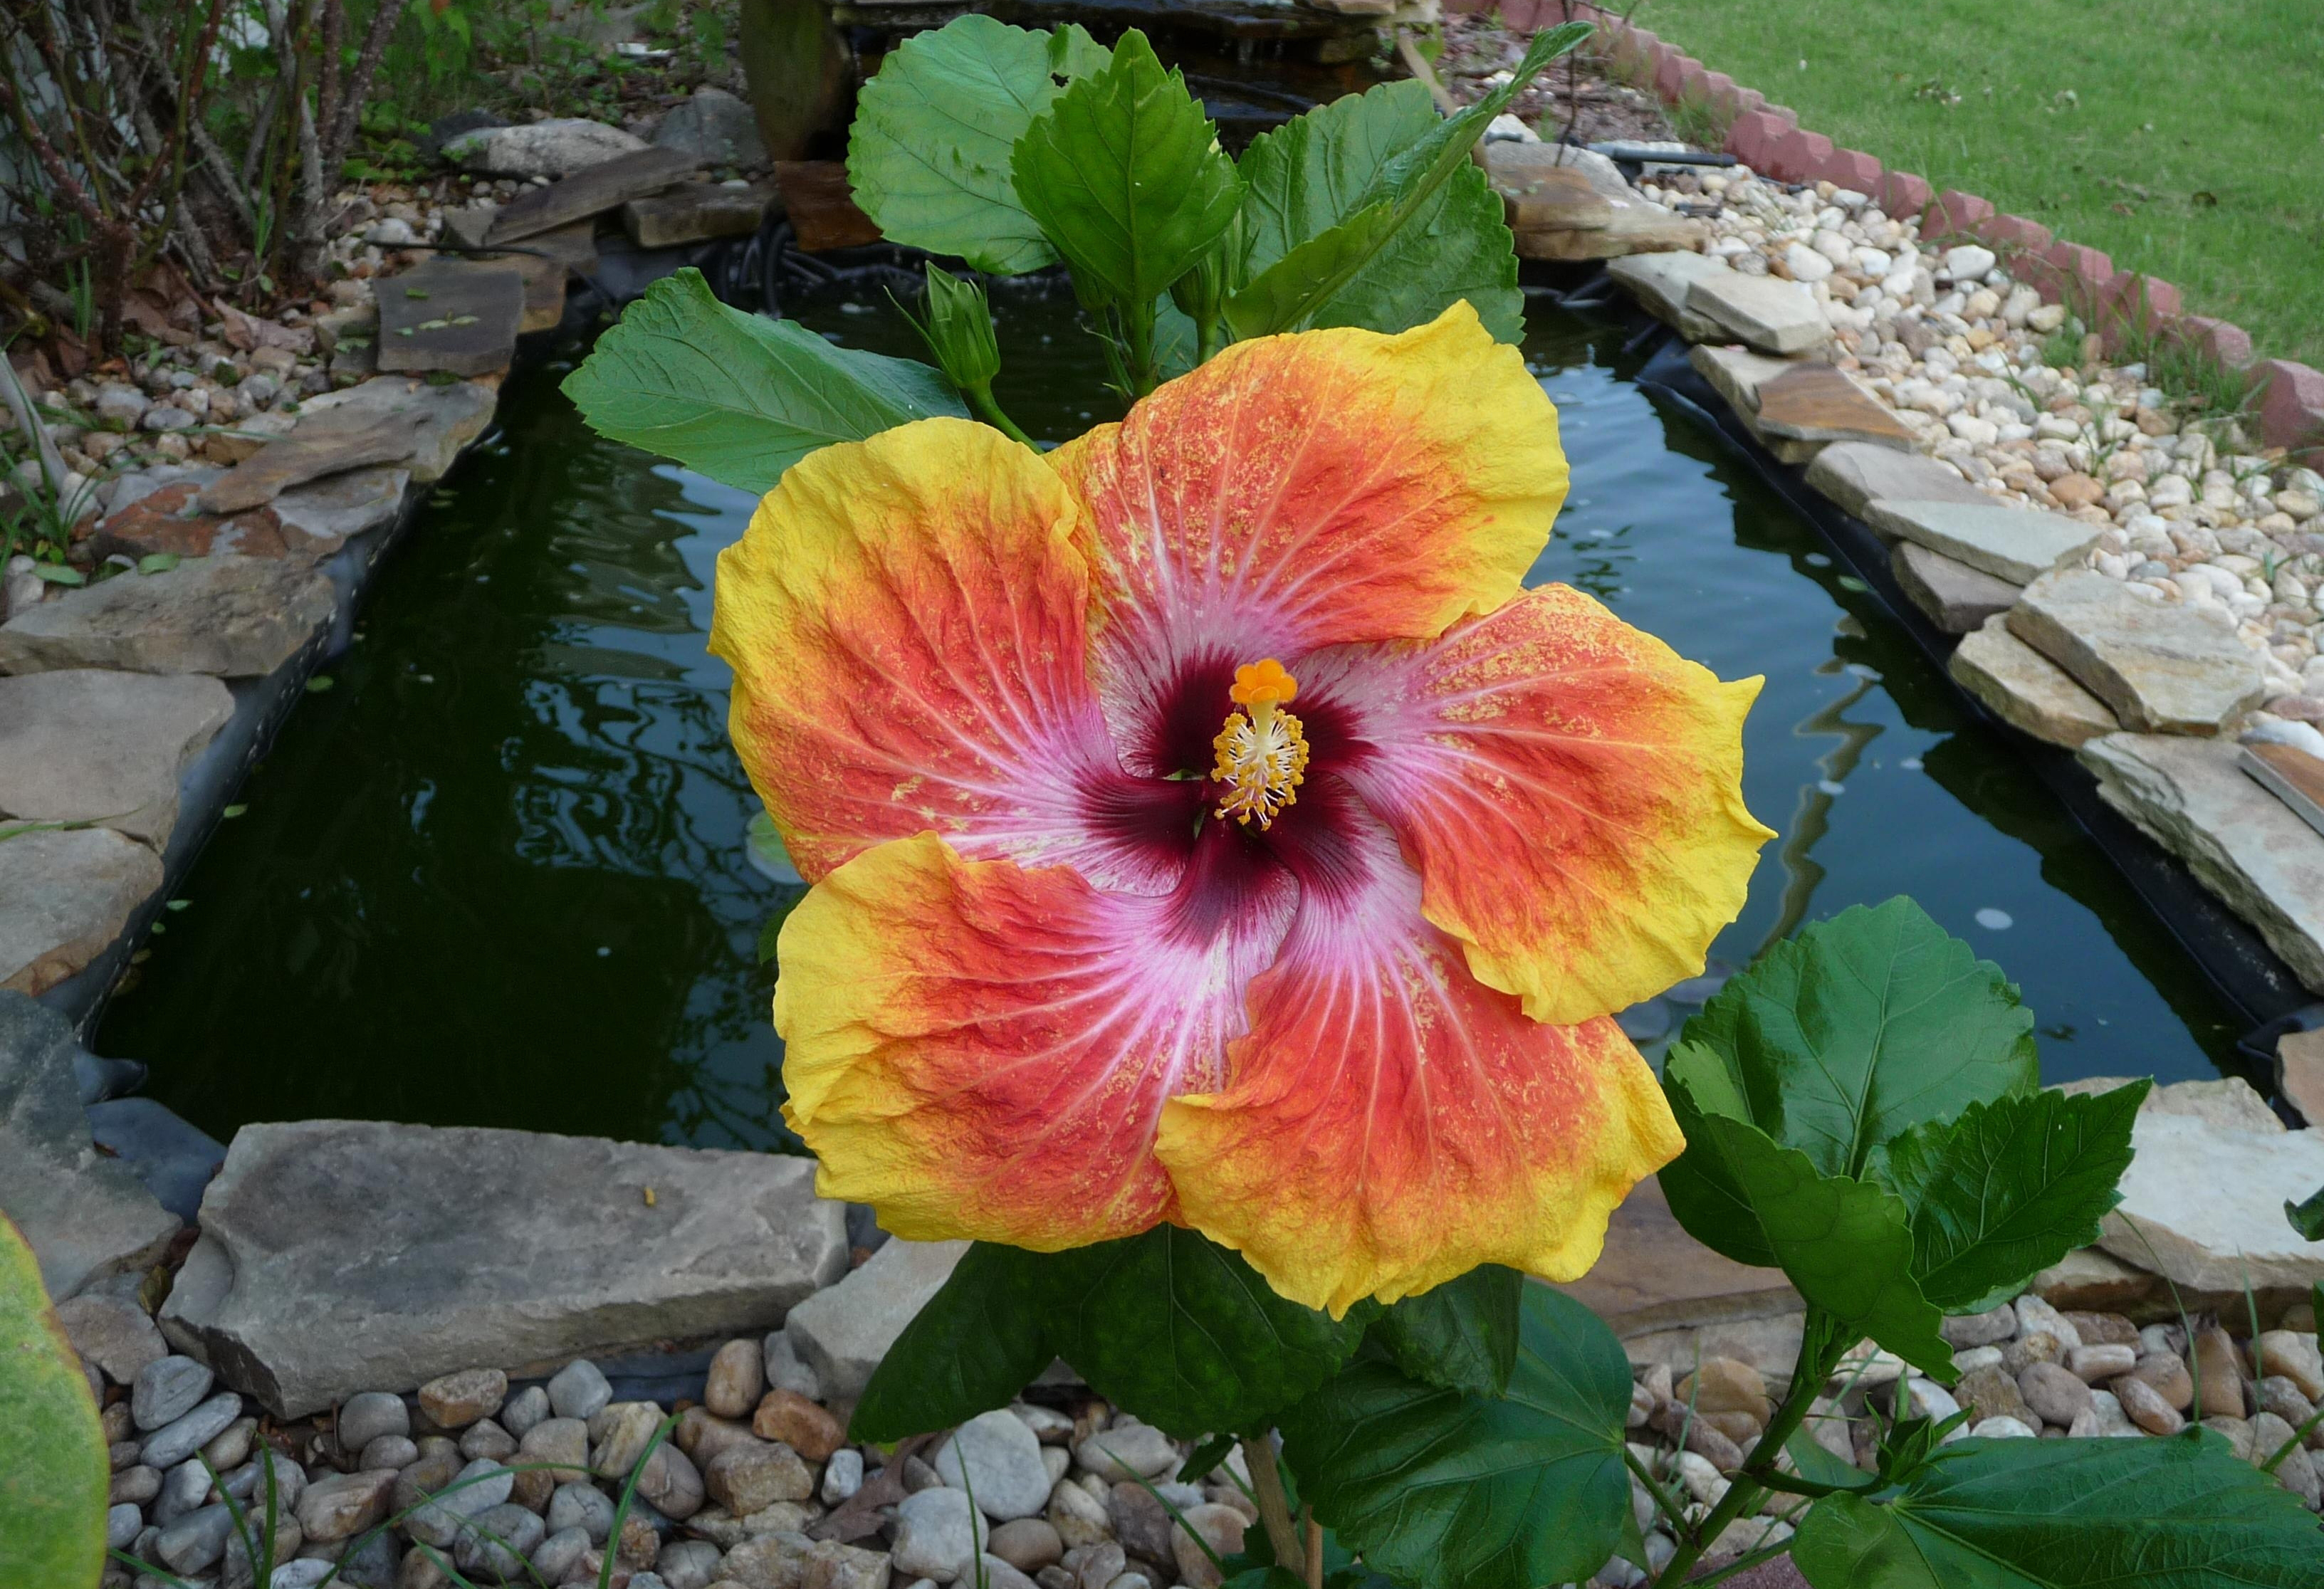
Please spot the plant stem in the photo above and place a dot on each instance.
(1208, 341)
(1669, 1508)
(1274, 1509)
(980, 398)
(1313, 1531)
(1818, 1353)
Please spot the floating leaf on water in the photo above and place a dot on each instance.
(231, 811)
(403, 330)
(60, 574)
(157, 563)
(1848, 581)
(433, 325)
(179, 903)
(415, 292)
(464, 320)
(319, 683)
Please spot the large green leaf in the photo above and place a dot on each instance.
(2009, 1188)
(1855, 1032)
(928, 154)
(1461, 1334)
(974, 1346)
(1187, 1336)
(1845, 1243)
(54, 1476)
(1125, 176)
(739, 397)
(2178, 1512)
(1439, 1488)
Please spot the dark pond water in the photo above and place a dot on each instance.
(498, 873)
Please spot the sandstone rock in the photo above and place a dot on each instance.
(1817, 402)
(1992, 1392)
(1028, 1544)
(459, 317)
(842, 1332)
(446, 419)
(1955, 597)
(2088, 1278)
(234, 617)
(78, 744)
(2146, 1408)
(456, 1400)
(807, 1428)
(702, 1435)
(604, 186)
(745, 1478)
(714, 127)
(1725, 1384)
(2210, 1201)
(2025, 689)
(1633, 226)
(84, 1215)
(1773, 316)
(557, 147)
(2055, 1393)
(1736, 373)
(737, 1375)
(2292, 1355)
(1659, 282)
(112, 1332)
(694, 212)
(2240, 841)
(1219, 1527)
(1855, 474)
(507, 1246)
(1995, 1324)
(2008, 543)
(2163, 669)
(344, 1505)
(2097, 1364)
(330, 439)
(65, 896)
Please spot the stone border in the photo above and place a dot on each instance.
(1768, 137)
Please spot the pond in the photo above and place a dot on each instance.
(498, 873)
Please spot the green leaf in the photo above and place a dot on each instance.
(1460, 1336)
(1818, 1466)
(1845, 1243)
(928, 155)
(2308, 1218)
(60, 574)
(739, 397)
(2009, 1188)
(157, 561)
(1187, 1336)
(1126, 178)
(53, 1481)
(974, 1345)
(1855, 1032)
(2182, 1511)
(1440, 1488)
(1288, 293)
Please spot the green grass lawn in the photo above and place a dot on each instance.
(2186, 141)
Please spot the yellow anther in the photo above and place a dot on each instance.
(1262, 753)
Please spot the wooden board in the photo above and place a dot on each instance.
(2292, 776)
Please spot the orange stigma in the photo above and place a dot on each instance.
(1262, 753)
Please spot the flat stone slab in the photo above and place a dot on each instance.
(65, 894)
(1659, 282)
(2025, 689)
(168, 522)
(2202, 1203)
(2163, 668)
(1772, 315)
(2241, 843)
(2016, 544)
(1853, 475)
(2292, 776)
(1633, 228)
(84, 1215)
(233, 617)
(319, 518)
(339, 1256)
(328, 441)
(80, 744)
(1511, 164)
(1553, 198)
(1958, 599)
(460, 317)
(606, 186)
(821, 207)
(843, 1332)
(1817, 402)
(557, 147)
(447, 418)
(1737, 375)
(696, 212)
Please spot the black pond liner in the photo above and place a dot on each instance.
(2231, 954)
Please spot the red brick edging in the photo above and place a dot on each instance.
(1769, 139)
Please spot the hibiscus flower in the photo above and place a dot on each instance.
(1204, 825)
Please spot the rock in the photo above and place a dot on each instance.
(557, 147)
(174, 1442)
(344, 1505)
(369, 1414)
(619, 1435)
(555, 1250)
(555, 1557)
(1969, 262)
(2003, 1428)
(233, 617)
(1632, 226)
(2166, 1374)
(1218, 1527)
(1772, 315)
(842, 1475)
(670, 1484)
(579, 1390)
(607, 185)
(456, 1400)
(2088, 1278)
(843, 1331)
(714, 127)
(474, 1489)
(582, 1506)
(1736, 373)
(168, 1389)
(996, 1458)
(1080, 1519)
(785, 1371)
(2218, 1375)
(140, 1484)
(1659, 282)
(485, 1437)
(525, 1410)
(447, 418)
(328, 440)
(168, 523)
(196, 1540)
(498, 1541)
(1725, 1384)
(1028, 1544)
(807, 1428)
(2275, 1394)
(2025, 689)
(834, 1565)
(737, 1377)
(2097, 1364)
(112, 1332)
(2008, 542)
(2299, 1073)
(2292, 1355)
(1128, 1452)
(1553, 198)
(1997, 1324)
(938, 1533)
(688, 1564)
(459, 317)
(1819, 403)
(770, 1561)
(702, 1435)
(2104, 1329)
(694, 212)
(391, 1453)
(2055, 1393)
(555, 1451)
(2163, 668)
(1958, 599)
(1992, 1392)
(745, 1478)
(1854, 474)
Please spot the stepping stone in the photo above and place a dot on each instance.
(339, 1256)
(233, 617)
(167, 522)
(1736, 374)
(843, 1332)
(544, 288)
(1958, 599)
(1511, 165)
(2164, 668)
(1554, 198)
(446, 417)
(2025, 689)
(1817, 402)
(1773, 316)
(1854, 474)
(86, 1215)
(822, 205)
(2292, 776)
(80, 744)
(1659, 282)
(2016, 544)
(319, 518)
(591, 192)
(328, 441)
(65, 894)
(455, 316)
(2244, 845)
(695, 213)
(470, 227)
(1633, 228)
